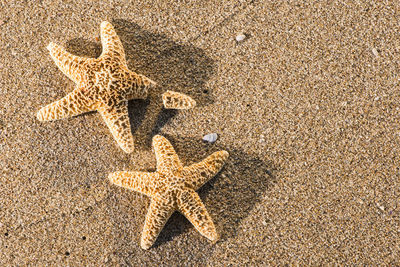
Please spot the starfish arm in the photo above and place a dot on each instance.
(142, 182)
(117, 120)
(190, 205)
(140, 86)
(175, 100)
(199, 173)
(158, 214)
(167, 160)
(69, 64)
(71, 105)
(111, 43)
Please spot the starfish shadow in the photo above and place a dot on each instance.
(83, 48)
(229, 198)
(230, 195)
(178, 67)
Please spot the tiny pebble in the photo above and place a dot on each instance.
(375, 52)
(240, 37)
(211, 138)
(377, 98)
(382, 208)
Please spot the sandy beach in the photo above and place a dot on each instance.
(307, 105)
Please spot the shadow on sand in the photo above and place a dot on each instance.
(230, 195)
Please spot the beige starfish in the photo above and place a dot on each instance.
(104, 84)
(172, 187)
(175, 100)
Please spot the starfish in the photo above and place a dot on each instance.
(172, 187)
(105, 84)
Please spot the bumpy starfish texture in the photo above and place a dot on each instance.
(175, 100)
(104, 84)
(172, 188)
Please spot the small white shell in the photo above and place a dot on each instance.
(375, 52)
(240, 37)
(211, 138)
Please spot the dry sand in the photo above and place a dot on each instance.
(307, 105)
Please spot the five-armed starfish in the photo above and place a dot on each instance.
(172, 187)
(105, 84)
